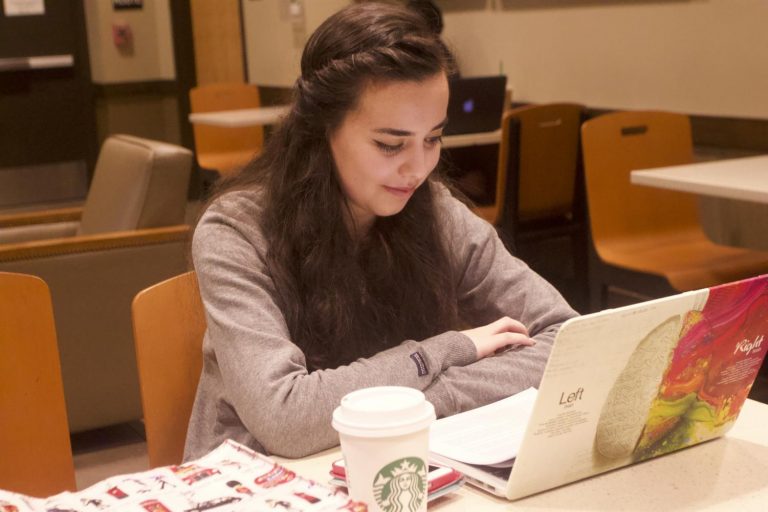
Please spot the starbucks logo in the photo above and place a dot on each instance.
(401, 486)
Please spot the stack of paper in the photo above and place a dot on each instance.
(486, 436)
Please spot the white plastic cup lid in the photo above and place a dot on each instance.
(383, 411)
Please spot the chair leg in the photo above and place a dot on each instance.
(598, 296)
(507, 239)
(581, 268)
(208, 180)
(597, 279)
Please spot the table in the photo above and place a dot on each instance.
(733, 196)
(271, 115)
(725, 474)
(240, 117)
(472, 139)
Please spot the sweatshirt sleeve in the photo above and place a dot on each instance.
(263, 373)
(492, 283)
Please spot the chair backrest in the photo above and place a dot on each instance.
(225, 96)
(548, 159)
(168, 325)
(617, 143)
(538, 162)
(35, 452)
(138, 183)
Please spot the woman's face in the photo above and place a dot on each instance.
(388, 145)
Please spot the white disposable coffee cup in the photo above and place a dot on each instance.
(384, 433)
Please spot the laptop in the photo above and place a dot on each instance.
(475, 104)
(629, 384)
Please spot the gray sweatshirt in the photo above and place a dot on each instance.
(255, 387)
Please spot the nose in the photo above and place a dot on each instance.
(418, 163)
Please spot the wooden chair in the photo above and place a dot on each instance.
(223, 149)
(169, 324)
(539, 187)
(35, 452)
(649, 242)
(538, 157)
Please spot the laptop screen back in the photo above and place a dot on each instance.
(625, 385)
(476, 104)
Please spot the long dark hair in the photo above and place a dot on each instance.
(343, 298)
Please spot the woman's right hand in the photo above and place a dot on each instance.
(497, 335)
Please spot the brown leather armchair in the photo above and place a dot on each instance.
(129, 234)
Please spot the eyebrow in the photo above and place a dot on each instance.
(405, 133)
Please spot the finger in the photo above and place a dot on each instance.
(514, 338)
(507, 324)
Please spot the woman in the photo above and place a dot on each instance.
(336, 261)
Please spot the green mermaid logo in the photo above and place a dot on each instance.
(401, 486)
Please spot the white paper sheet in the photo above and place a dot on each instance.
(488, 435)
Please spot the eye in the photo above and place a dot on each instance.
(388, 149)
(433, 141)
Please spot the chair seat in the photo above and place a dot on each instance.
(226, 162)
(225, 149)
(687, 259)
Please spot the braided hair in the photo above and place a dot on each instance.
(342, 298)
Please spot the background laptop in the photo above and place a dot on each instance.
(476, 104)
(630, 384)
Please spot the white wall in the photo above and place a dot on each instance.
(152, 55)
(695, 56)
(274, 38)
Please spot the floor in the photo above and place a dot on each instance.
(110, 451)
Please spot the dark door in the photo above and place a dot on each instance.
(47, 123)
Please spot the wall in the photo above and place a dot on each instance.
(143, 112)
(47, 120)
(136, 91)
(218, 41)
(274, 38)
(151, 55)
(706, 57)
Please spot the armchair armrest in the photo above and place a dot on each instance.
(41, 217)
(92, 243)
(41, 225)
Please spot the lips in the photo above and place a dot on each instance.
(400, 191)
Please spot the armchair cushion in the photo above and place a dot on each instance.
(136, 185)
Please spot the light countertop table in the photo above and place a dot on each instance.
(733, 196)
(726, 474)
(241, 117)
(472, 139)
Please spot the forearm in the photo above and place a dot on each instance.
(494, 284)
(289, 410)
(460, 389)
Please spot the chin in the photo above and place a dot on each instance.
(389, 212)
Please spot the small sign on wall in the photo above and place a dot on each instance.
(119, 5)
(23, 7)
